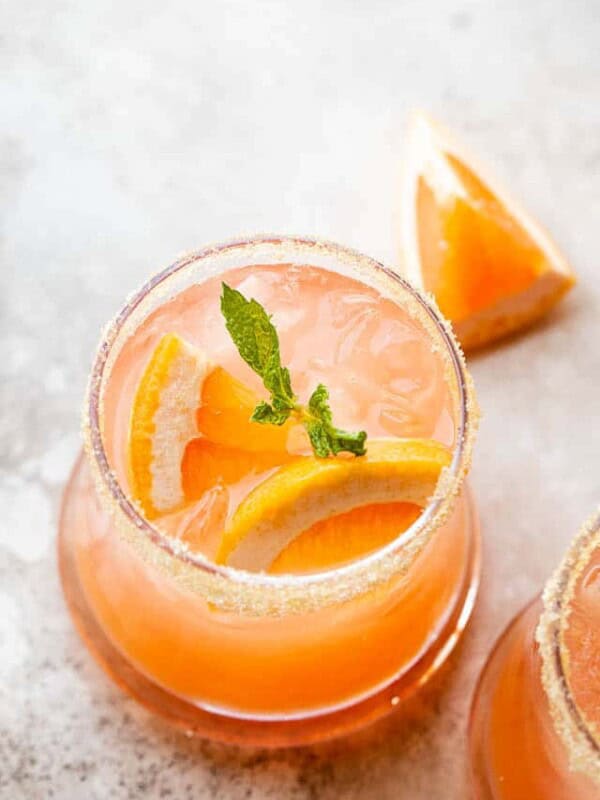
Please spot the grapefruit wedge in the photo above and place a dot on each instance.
(163, 421)
(291, 509)
(490, 267)
(190, 430)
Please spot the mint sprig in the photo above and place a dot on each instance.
(324, 436)
(257, 342)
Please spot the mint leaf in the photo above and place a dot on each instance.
(277, 380)
(318, 404)
(325, 438)
(251, 330)
(267, 415)
(257, 342)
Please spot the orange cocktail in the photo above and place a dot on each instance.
(535, 725)
(333, 626)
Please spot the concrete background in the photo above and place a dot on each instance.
(134, 131)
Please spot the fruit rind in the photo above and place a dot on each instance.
(427, 145)
(163, 421)
(301, 494)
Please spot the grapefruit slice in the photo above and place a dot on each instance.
(345, 537)
(224, 416)
(490, 267)
(181, 397)
(310, 490)
(163, 420)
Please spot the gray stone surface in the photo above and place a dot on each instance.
(133, 131)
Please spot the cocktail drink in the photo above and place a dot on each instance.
(237, 561)
(535, 722)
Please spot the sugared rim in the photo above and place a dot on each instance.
(570, 723)
(258, 593)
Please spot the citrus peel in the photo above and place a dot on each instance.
(163, 420)
(190, 429)
(490, 267)
(307, 491)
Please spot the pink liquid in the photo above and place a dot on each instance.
(376, 361)
(582, 641)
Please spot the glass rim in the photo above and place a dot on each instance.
(433, 515)
(583, 747)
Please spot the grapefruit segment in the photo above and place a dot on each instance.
(163, 420)
(307, 491)
(224, 415)
(490, 267)
(345, 537)
(190, 430)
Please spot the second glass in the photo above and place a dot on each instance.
(535, 720)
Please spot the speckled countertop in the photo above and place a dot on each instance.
(134, 131)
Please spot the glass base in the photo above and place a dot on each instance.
(272, 733)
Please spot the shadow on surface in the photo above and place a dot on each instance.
(565, 314)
